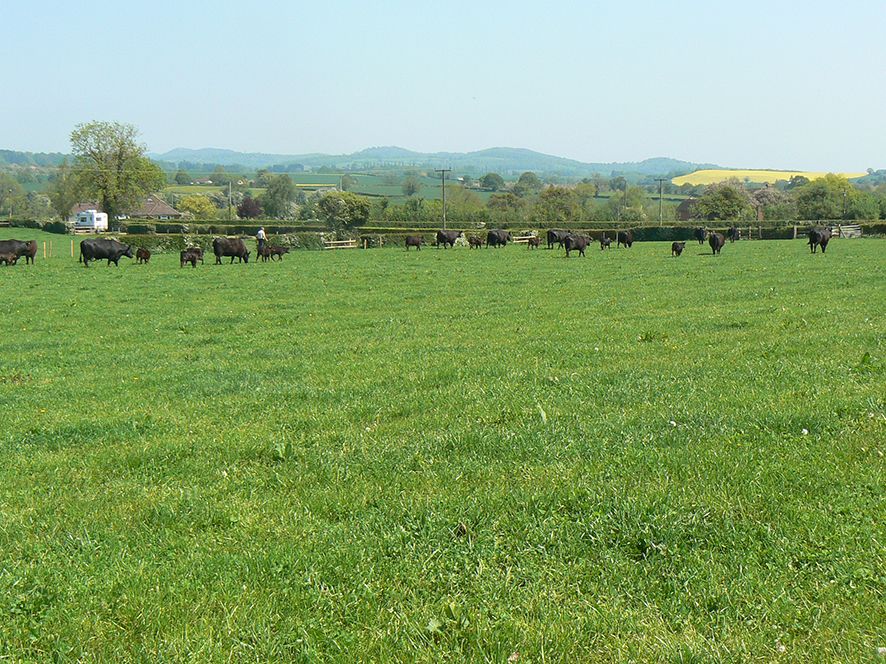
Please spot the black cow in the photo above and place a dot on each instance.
(414, 241)
(95, 250)
(447, 238)
(677, 248)
(9, 258)
(819, 237)
(625, 237)
(265, 252)
(497, 238)
(278, 252)
(475, 242)
(733, 233)
(26, 248)
(700, 234)
(556, 236)
(576, 242)
(228, 246)
(716, 240)
(190, 256)
(142, 255)
(605, 243)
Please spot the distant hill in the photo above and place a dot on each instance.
(15, 158)
(507, 161)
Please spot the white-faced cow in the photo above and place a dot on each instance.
(95, 250)
(819, 237)
(228, 246)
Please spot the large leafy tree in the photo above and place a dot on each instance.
(492, 181)
(249, 208)
(198, 206)
(555, 205)
(64, 190)
(279, 196)
(628, 205)
(774, 204)
(727, 201)
(12, 194)
(825, 198)
(527, 183)
(348, 182)
(342, 209)
(411, 184)
(111, 166)
(506, 202)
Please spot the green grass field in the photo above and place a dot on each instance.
(446, 456)
(204, 190)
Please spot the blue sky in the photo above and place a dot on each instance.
(749, 84)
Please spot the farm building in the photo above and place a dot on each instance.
(153, 207)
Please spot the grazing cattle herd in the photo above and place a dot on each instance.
(113, 251)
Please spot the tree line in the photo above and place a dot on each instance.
(110, 167)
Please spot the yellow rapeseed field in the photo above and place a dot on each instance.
(714, 175)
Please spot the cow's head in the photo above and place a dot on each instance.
(127, 252)
(245, 258)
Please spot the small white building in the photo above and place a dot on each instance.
(91, 220)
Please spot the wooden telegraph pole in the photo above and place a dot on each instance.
(660, 187)
(443, 172)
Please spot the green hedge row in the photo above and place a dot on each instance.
(166, 243)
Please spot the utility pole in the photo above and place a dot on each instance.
(660, 187)
(443, 172)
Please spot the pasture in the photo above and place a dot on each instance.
(367, 184)
(759, 176)
(446, 455)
